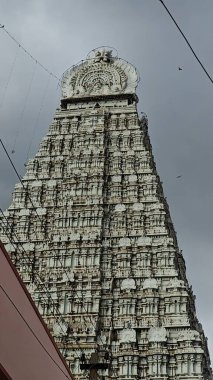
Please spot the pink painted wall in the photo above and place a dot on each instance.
(22, 356)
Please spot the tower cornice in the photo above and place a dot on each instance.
(132, 98)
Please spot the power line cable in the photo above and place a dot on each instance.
(60, 261)
(59, 318)
(27, 193)
(4, 92)
(187, 41)
(11, 162)
(27, 262)
(19, 45)
(38, 116)
(30, 328)
(26, 99)
(27, 52)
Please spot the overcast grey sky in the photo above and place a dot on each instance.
(178, 103)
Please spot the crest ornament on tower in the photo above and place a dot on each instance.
(102, 73)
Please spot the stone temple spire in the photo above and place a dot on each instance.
(93, 225)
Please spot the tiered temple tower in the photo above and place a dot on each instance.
(92, 222)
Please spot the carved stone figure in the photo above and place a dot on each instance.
(157, 334)
(128, 283)
(128, 336)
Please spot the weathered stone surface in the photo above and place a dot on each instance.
(128, 336)
(157, 334)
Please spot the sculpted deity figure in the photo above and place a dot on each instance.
(103, 55)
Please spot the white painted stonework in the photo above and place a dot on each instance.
(128, 284)
(175, 283)
(150, 283)
(59, 328)
(96, 245)
(31, 288)
(41, 211)
(124, 242)
(138, 206)
(24, 212)
(10, 247)
(120, 207)
(116, 178)
(133, 178)
(157, 334)
(189, 335)
(144, 240)
(28, 246)
(130, 153)
(128, 336)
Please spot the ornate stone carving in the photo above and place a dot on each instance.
(60, 328)
(133, 178)
(130, 153)
(127, 336)
(189, 335)
(150, 283)
(137, 206)
(125, 242)
(128, 283)
(74, 236)
(37, 183)
(101, 339)
(103, 55)
(175, 283)
(31, 288)
(116, 178)
(28, 246)
(157, 334)
(24, 212)
(102, 75)
(10, 247)
(41, 211)
(120, 207)
(144, 240)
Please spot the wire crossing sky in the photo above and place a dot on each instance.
(27, 52)
(35, 210)
(188, 43)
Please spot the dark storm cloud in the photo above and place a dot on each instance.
(178, 103)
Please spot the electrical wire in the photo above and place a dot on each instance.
(75, 292)
(187, 41)
(38, 117)
(58, 317)
(65, 272)
(19, 177)
(67, 275)
(27, 52)
(26, 99)
(27, 262)
(9, 78)
(14, 243)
